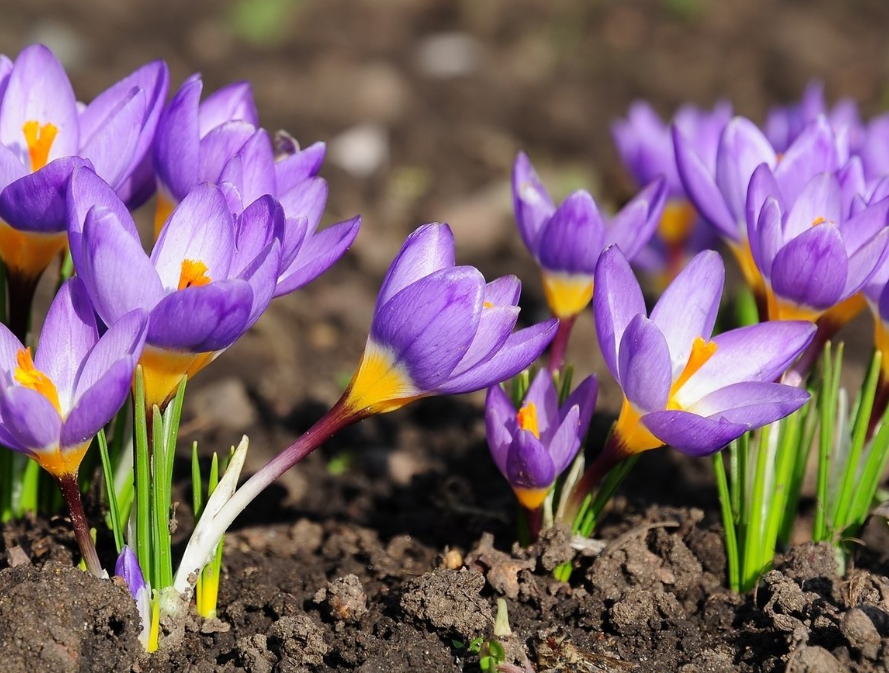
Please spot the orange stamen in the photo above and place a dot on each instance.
(701, 352)
(193, 274)
(818, 220)
(487, 304)
(31, 377)
(40, 140)
(527, 419)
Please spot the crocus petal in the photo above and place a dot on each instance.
(503, 291)
(635, 224)
(262, 274)
(769, 237)
(307, 200)
(85, 190)
(212, 243)
(219, 146)
(112, 149)
(97, 405)
(118, 275)
(865, 262)
(127, 567)
(573, 237)
(38, 89)
(528, 464)
(692, 434)
(531, 203)
(520, 350)
(754, 353)
(177, 144)
(566, 440)
(11, 168)
(430, 324)
(701, 187)
(30, 418)
(811, 270)
(820, 201)
(317, 255)
(863, 226)
(742, 148)
(36, 202)
(813, 152)
(688, 307)
(498, 411)
(234, 101)
(292, 170)
(542, 394)
(427, 250)
(584, 397)
(618, 298)
(122, 342)
(494, 328)
(753, 403)
(261, 223)
(259, 167)
(762, 187)
(205, 318)
(644, 365)
(68, 335)
(9, 348)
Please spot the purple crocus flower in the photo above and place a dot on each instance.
(218, 141)
(720, 195)
(566, 241)
(44, 135)
(533, 446)
(440, 329)
(785, 123)
(681, 387)
(203, 286)
(52, 405)
(127, 567)
(645, 145)
(811, 254)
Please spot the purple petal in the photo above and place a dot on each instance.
(122, 342)
(306, 200)
(542, 394)
(261, 223)
(234, 101)
(528, 464)
(127, 566)
(701, 187)
(262, 274)
(317, 255)
(499, 417)
(863, 264)
(36, 202)
(635, 224)
(11, 169)
(687, 309)
(199, 319)
(566, 441)
(259, 167)
(812, 269)
(573, 238)
(97, 405)
(812, 153)
(219, 146)
(85, 190)
(584, 397)
(495, 326)
(118, 275)
(177, 152)
(298, 167)
(752, 403)
(531, 203)
(30, 418)
(503, 291)
(520, 350)
(762, 187)
(430, 324)
(39, 90)
(617, 299)
(742, 148)
(427, 250)
(9, 348)
(211, 243)
(862, 227)
(112, 148)
(644, 365)
(820, 201)
(755, 353)
(692, 434)
(768, 238)
(68, 334)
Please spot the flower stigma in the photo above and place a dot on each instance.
(527, 419)
(193, 274)
(39, 139)
(31, 377)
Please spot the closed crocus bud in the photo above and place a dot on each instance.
(534, 444)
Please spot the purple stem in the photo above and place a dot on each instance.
(71, 492)
(560, 344)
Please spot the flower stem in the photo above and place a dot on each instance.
(209, 530)
(560, 344)
(611, 455)
(71, 492)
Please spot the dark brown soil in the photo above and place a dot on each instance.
(387, 550)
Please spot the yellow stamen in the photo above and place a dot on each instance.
(40, 140)
(162, 211)
(632, 434)
(531, 498)
(818, 220)
(567, 294)
(677, 221)
(701, 352)
(31, 377)
(379, 386)
(527, 419)
(28, 253)
(193, 274)
(487, 304)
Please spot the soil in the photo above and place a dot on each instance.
(388, 549)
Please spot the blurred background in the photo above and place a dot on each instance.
(424, 104)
